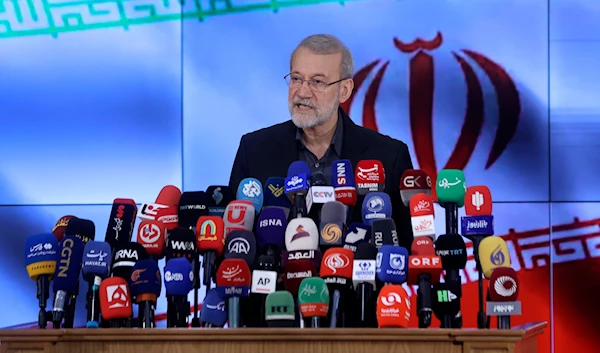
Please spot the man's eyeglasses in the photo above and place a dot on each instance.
(295, 81)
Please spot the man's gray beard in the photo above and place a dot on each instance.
(313, 118)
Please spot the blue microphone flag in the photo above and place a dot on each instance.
(96, 260)
(70, 255)
(179, 277)
(274, 192)
(213, 309)
(392, 264)
(251, 189)
(145, 278)
(40, 254)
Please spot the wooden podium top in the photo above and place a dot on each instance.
(272, 340)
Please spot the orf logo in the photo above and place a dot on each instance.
(420, 98)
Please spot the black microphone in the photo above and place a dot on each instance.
(453, 251)
(363, 279)
(446, 304)
(181, 244)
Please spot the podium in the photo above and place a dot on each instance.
(520, 339)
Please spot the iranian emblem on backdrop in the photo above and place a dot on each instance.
(421, 83)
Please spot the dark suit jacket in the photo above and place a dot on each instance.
(268, 152)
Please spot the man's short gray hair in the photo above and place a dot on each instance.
(325, 44)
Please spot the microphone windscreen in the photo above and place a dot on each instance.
(219, 196)
(376, 205)
(314, 256)
(337, 262)
(393, 307)
(313, 297)
(145, 281)
(365, 251)
(356, 234)
(279, 306)
(241, 245)
(151, 235)
(169, 217)
(96, 260)
(179, 277)
(83, 229)
(40, 255)
(333, 212)
(250, 189)
(453, 251)
(370, 176)
(169, 196)
(392, 264)
(383, 232)
(301, 234)
(192, 205)
(124, 258)
(451, 187)
(239, 215)
(445, 301)
(478, 201)
(318, 179)
(213, 309)
(61, 226)
(422, 246)
(120, 223)
(271, 226)
(70, 256)
(299, 167)
(342, 174)
(504, 285)
(413, 182)
(493, 253)
(115, 299)
(210, 234)
(274, 193)
(181, 243)
(233, 278)
(295, 272)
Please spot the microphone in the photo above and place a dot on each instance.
(424, 268)
(393, 307)
(391, 264)
(476, 225)
(376, 205)
(181, 243)
(504, 290)
(239, 215)
(270, 230)
(314, 256)
(96, 267)
(168, 216)
(296, 186)
(370, 176)
(151, 235)
(250, 189)
(450, 189)
(210, 235)
(219, 197)
(192, 206)
(274, 195)
(313, 299)
(342, 180)
(336, 270)
(280, 310)
(121, 222)
(383, 232)
(421, 216)
(413, 182)
(233, 282)
(453, 251)
(40, 261)
(212, 313)
(242, 245)
(179, 279)
(301, 234)
(333, 219)
(318, 194)
(356, 234)
(145, 284)
(61, 226)
(66, 277)
(115, 301)
(124, 258)
(363, 280)
(493, 253)
(294, 272)
(446, 303)
(168, 196)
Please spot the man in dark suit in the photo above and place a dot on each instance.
(320, 132)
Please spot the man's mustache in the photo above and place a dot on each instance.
(305, 102)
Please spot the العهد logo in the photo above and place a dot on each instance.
(421, 100)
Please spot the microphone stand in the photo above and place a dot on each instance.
(43, 293)
(481, 316)
(452, 275)
(196, 269)
(365, 293)
(70, 309)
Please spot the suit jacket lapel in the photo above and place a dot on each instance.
(286, 150)
(352, 147)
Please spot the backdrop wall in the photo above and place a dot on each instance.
(106, 99)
